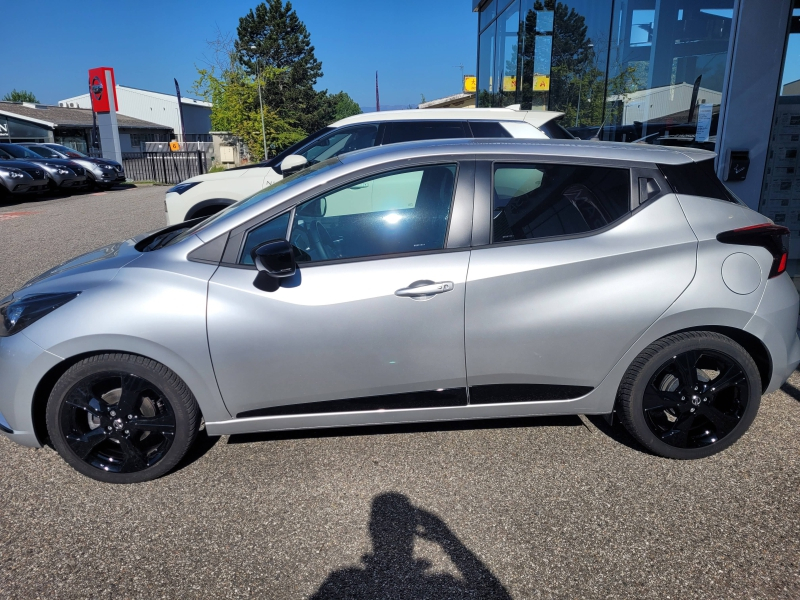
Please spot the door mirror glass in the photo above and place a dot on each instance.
(292, 163)
(275, 258)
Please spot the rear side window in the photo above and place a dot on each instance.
(488, 129)
(412, 131)
(546, 200)
(697, 179)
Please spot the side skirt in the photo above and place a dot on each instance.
(517, 407)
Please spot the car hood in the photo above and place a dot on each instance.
(17, 164)
(94, 160)
(52, 161)
(93, 268)
(259, 171)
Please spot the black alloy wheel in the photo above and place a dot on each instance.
(690, 395)
(121, 418)
(118, 422)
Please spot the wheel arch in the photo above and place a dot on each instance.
(754, 347)
(199, 208)
(48, 381)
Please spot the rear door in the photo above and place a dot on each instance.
(565, 276)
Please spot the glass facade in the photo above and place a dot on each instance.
(646, 70)
(780, 191)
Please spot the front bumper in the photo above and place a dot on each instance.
(23, 364)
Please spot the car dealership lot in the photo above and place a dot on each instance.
(542, 507)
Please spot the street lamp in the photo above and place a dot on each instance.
(580, 90)
(260, 103)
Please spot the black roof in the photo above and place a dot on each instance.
(59, 116)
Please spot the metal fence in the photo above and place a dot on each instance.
(164, 167)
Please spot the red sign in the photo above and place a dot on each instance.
(98, 91)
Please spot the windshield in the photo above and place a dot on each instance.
(267, 192)
(18, 151)
(71, 152)
(44, 151)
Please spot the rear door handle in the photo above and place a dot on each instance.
(426, 289)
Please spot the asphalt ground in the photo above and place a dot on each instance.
(533, 508)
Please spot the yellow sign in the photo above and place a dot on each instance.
(510, 83)
(470, 83)
(174, 146)
(541, 83)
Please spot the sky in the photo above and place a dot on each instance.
(414, 44)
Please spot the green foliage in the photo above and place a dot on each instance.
(282, 64)
(343, 106)
(20, 96)
(236, 108)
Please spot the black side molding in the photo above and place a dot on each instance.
(523, 392)
(427, 399)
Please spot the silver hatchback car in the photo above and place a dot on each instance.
(417, 282)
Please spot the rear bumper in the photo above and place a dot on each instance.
(775, 324)
(22, 366)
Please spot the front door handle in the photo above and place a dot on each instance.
(420, 289)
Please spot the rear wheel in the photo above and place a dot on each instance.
(121, 418)
(690, 395)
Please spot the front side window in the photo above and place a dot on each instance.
(346, 139)
(392, 213)
(545, 200)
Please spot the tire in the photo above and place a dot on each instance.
(121, 418)
(690, 395)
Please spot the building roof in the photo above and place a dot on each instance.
(59, 116)
(466, 99)
(159, 95)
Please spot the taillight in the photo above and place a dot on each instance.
(772, 237)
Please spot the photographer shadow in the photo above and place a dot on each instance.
(391, 571)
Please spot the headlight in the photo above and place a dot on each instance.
(58, 169)
(13, 173)
(16, 315)
(183, 187)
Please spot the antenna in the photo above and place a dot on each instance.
(461, 83)
(377, 95)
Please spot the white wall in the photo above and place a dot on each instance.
(156, 108)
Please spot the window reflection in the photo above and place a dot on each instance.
(647, 70)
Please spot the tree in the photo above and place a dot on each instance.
(19, 96)
(234, 96)
(282, 44)
(343, 106)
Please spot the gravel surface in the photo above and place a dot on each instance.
(534, 508)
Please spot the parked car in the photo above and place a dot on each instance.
(62, 175)
(207, 194)
(103, 173)
(20, 177)
(461, 279)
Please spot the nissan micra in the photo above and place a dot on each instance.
(416, 282)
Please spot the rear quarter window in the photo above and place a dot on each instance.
(697, 179)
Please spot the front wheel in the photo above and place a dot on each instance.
(121, 418)
(690, 395)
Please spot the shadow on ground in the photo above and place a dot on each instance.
(791, 390)
(391, 571)
(270, 436)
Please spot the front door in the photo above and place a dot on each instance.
(373, 318)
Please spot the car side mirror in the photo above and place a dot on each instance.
(275, 258)
(292, 163)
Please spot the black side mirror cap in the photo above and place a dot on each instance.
(275, 258)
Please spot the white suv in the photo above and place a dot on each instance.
(207, 194)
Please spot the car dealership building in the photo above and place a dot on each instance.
(714, 74)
